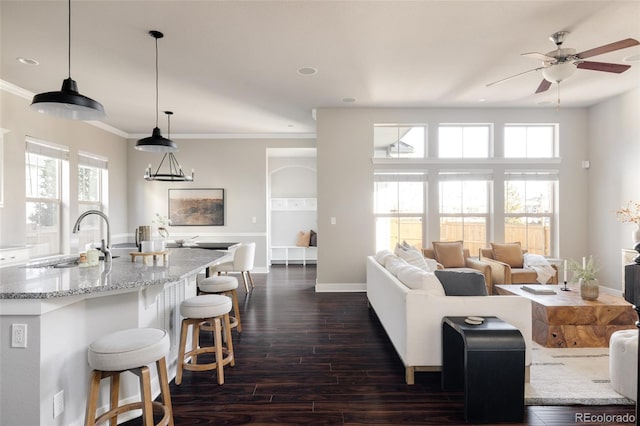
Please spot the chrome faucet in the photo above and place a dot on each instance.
(106, 249)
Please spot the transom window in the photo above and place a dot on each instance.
(530, 141)
(392, 141)
(464, 141)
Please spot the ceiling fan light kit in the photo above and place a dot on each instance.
(68, 102)
(560, 64)
(176, 174)
(156, 142)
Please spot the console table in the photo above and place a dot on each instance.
(487, 362)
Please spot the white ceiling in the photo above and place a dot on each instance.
(231, 66)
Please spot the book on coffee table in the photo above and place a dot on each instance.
(539, 288)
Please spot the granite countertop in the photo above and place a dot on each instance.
(46, 282)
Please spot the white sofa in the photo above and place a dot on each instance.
(412, 318)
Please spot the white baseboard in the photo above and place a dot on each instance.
(340, 287)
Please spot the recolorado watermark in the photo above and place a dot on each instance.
(604, 418)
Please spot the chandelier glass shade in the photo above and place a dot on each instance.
(68, 102)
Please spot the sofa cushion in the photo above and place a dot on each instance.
(510, 253)
(462, 283)
(418, 279)
(449, 254)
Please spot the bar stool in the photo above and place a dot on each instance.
(198, 311)
(129, 350)
(226, 285)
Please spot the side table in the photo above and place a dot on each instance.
(487, 362)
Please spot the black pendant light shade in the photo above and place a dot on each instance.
(156, 142)
(68, 103)
(175, 172)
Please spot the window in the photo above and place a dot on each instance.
(530, 141)
(399, 209)
(45, 165)
(464, 208)
(399, 141)
(530, 200)
(91, 175)
(464, 141)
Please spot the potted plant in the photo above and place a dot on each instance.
(586, 275)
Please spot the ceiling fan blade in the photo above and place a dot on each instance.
(539, 56)
(513, 76)
(603, 66)
(544, 86)
(622, 44)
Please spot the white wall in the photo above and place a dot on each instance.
(21, 121)
(237, 165)
(345, 179)
(614, 152)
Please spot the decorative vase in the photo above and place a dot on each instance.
(589, 289)
(635, 234)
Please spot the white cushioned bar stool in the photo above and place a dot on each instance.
(198, 312)
(226, 285)
(130, 350)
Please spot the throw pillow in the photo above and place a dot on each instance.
(418, 279)
(510, 253)
(413, 257)
(449, 253)
(393, 264)
(313, 239)
(303, 239)
(382, 256)
(461, 283)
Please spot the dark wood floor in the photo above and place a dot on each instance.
(307, 358)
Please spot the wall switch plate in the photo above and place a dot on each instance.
(58, 404)
(18, 335)
(333, 220)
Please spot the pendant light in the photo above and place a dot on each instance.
(155, 142)
(175, 171)
(68, 102)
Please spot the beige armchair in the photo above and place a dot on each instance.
(507, 265)
(451, 255)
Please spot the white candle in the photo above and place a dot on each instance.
(565, 271)
(584, 262)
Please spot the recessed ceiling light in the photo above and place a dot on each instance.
(482, 100)
(348, 100)
(307, 71)
(27, 61)
(289, 125)
(632, 58)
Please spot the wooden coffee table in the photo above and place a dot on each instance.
(565, 320)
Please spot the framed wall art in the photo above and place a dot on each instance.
(196, 207)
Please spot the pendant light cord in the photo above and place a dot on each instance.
(156, 82)
(69, 44)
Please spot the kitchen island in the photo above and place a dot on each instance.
(65, 309)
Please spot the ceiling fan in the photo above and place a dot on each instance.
(560, 64)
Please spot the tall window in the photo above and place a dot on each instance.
(530, 141)
(530, 200)
(464, 208)
(464, 141)
(399, 209)
(399, 141)
(91, 175)
(44, 167)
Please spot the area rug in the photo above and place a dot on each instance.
(577, 376)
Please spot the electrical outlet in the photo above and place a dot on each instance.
(58, 404)
(18, 335)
